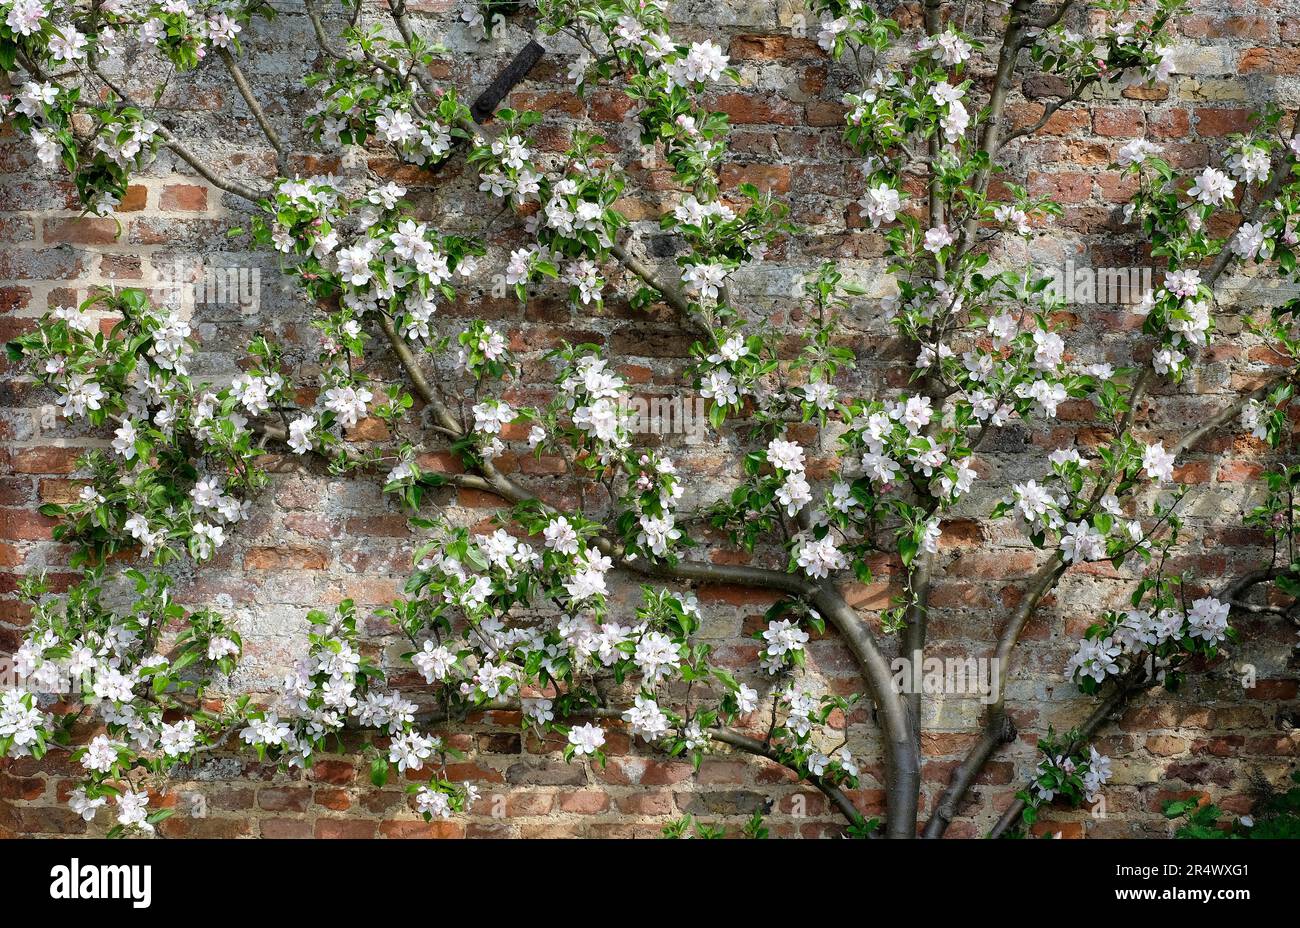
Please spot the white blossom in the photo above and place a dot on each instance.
(586, 739)
(1212, 187)
(1158, 463)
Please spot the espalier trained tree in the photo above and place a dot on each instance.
(520, 616)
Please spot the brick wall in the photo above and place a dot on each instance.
(320, 539)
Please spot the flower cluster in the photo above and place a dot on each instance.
(1079, 507)
(665, 79)
(81, 656)
(1116, 44)
(181, 462)
(1154, 637)
(1179, 215)
(371, 94)
(1065, 773)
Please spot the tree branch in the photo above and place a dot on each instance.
(754, 746)
(1230, 412)
(903, 780)
(245, 91)
(989, 143)
(318, 29)
(720, 734)
(183, 152)
(998, 727)
(1113, 703)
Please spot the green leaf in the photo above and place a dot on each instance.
(907, 548)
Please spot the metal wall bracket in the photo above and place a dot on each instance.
(523, 62)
